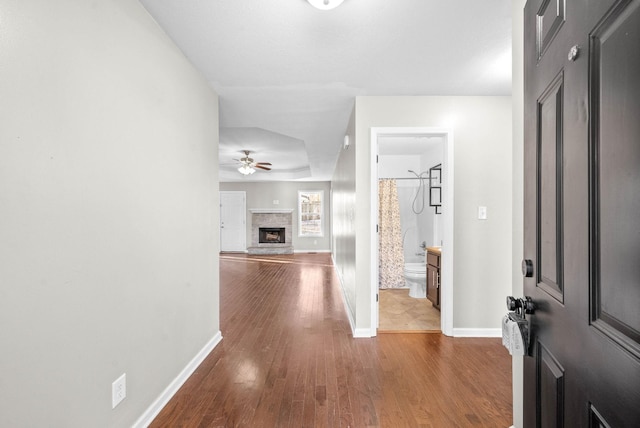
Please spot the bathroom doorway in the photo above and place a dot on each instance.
(417, 164)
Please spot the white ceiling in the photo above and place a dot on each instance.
(287, 74)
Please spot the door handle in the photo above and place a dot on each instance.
(522, 306)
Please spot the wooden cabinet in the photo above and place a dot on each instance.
(433, 276)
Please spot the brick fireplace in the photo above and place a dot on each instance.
(271, 231)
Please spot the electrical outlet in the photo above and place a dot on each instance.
(118, 390)
(276, 202)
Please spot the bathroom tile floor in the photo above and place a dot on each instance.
(398, 312)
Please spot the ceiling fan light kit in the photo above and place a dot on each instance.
(248, 165)
(325, 4)
(246, 170)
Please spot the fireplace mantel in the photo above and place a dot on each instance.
(270, 210)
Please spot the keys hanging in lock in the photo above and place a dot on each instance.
(516, 327)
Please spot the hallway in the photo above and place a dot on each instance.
(288, 360)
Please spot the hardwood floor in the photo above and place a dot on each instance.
(288, 360)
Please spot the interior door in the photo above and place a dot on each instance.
(233, 231)
(582, 212)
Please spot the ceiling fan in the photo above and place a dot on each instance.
(248, 165)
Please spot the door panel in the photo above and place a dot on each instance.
(616, 265)
(233, 232)
(549, 19)
(581, 213)
(550, 389)
(550, 127)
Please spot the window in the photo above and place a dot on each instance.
(310, 213)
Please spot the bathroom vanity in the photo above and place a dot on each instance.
(433, 275)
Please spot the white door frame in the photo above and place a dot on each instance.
(446, 286)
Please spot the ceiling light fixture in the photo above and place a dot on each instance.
(246, 170)
(325, 4)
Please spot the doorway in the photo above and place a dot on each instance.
(408, 140)
(233, 214)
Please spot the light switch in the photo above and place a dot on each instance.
(482, 213)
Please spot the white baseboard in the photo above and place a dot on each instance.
(152, 411)
(356, 332)
(477, 332)
(310, 251)
(361, 332)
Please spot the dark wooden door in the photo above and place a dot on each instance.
(582, 212)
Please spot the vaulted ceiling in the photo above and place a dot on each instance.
(287, 74)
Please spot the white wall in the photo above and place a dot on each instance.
(483, 156)
(398, 166)
(108, 196)
(518, 186)
(262, 195)
(343, 208)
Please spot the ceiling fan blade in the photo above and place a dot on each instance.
(262, 167)
(263, 163)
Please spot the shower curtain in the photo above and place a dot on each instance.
(391, 254)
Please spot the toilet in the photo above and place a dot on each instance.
(415, 277)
